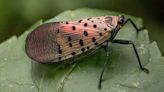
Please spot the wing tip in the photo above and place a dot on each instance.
(37, 47)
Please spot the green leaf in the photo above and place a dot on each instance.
(18, 73)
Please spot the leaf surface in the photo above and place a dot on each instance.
(18, 73)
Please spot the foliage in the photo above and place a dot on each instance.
(18, 73)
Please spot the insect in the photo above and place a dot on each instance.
(59, 41)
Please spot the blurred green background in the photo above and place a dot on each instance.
(16, 16)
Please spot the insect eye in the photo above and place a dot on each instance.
(121, 19)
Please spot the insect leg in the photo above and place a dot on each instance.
(67, 74)
(134, 25)
(134, 47)
(106, 48)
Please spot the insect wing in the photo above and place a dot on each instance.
(41, 43)
(59, 41)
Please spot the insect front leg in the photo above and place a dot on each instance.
(106, 48)
(134, 25)
(134, 47)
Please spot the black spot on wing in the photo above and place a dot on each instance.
(93, 39)
(105, 29)
(80, 21)
(73, 28)
(70, 44)
(59, 58)
(85, 33)
(83, 49)
(73, 53)
(81, 42)
(69, 38)
(100, 34)
(85, 24)
(94, 26)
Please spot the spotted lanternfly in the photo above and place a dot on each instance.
(59, 41)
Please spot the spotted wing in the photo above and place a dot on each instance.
(61, 41)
